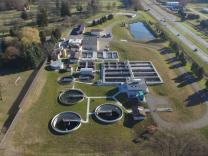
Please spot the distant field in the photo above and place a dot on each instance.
(10, 91)
(9, 19)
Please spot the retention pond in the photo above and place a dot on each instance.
(140, 32)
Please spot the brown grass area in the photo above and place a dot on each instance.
(10, 91)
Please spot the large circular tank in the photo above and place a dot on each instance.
(66, 122)
(108, 113)
(71, 96)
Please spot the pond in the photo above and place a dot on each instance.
(140, 32)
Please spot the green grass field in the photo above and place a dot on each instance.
(10, 91)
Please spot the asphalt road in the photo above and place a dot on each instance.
(171, 20)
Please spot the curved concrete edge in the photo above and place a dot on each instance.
(69, 104)
(64, 132)
(107, 121)
(59, 78)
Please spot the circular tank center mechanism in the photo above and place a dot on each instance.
(108, 113)
(65, 80)
(66, 122)
(71, 96)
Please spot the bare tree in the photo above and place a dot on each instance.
(1, 98)
(178, 143)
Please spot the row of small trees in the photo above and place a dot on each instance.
(179, 53)
(195, 68)
(102, 20)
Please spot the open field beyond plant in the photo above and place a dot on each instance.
(11, 86)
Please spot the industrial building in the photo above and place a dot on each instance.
(123, 71)
(99, 56)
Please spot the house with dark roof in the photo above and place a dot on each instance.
(80, 29)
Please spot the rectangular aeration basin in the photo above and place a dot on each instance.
(119, 72)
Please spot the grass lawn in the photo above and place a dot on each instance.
(201, 34)
(108, 22)
(117, 2)
(10, 91)
(31, 135)
(198, 44)
(197, 8)
(121, 33)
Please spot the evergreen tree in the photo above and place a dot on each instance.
(42, 18)
(182, 14)
(57, 4)
(94, 23)
(79, 8)
(206, 84)
(24, 15)
(65, 11)
(194, 67)
(42, 35)
(200, 72)
(110, 16)
(56, 35)
(33, 55)
(182, 58)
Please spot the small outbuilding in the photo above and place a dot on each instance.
(80, 29)
(97, 32)
(56, 65)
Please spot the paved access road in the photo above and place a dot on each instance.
(171, 23)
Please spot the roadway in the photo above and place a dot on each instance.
(170, 22)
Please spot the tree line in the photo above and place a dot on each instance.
(102, 20)
(195, 68)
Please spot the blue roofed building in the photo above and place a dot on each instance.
(135, 89)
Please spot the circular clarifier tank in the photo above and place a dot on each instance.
(108, 113)
(71, 96)
(65, 80)
(66, 122)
